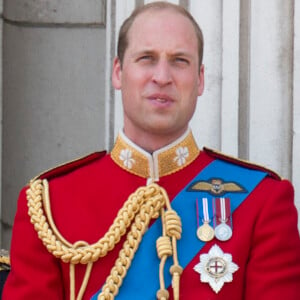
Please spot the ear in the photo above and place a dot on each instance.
(201, 81)
(117, 74)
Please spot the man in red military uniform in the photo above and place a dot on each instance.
(156, 217)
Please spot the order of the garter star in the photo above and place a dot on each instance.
(216, 268)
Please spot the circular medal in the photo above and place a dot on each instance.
(223, 232)
(205, 233)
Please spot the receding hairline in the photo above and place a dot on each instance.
(157, 6)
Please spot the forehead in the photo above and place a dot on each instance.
(162, 27)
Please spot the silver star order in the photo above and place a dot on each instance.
(216, 268)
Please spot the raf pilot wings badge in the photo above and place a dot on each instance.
(216, 187)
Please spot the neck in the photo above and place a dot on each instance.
(151, 142)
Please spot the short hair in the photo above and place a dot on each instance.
(159, 5)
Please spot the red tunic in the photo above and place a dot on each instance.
(84, 202)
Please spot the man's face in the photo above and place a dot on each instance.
(159, 79)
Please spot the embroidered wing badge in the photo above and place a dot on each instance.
(216, 187)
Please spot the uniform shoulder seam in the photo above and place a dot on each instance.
(242, 162)
(69, 166)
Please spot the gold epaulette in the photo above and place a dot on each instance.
(247, 164)
(69, 166)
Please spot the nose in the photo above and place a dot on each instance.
(162, 73)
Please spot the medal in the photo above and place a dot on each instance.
(223, 228)
(216, 268)
(205, 232)
(223, 232)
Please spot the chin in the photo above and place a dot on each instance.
(167, 131)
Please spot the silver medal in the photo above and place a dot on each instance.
(223, 232)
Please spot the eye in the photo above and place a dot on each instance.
(145, 58)
(181, 60)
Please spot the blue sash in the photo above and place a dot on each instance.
(142, 281)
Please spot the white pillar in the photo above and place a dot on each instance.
(296, 108)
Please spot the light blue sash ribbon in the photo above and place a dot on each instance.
(141, 281)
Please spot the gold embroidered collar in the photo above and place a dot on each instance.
(162, 162)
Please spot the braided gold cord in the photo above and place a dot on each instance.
(134, 237)
(164, 250)
(173, 225)
(143, 205)
(69, 253)
(167, 246)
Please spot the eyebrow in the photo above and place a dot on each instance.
(142, 52)
(153, 52)
(182, 53)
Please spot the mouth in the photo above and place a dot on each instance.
(160, 99)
